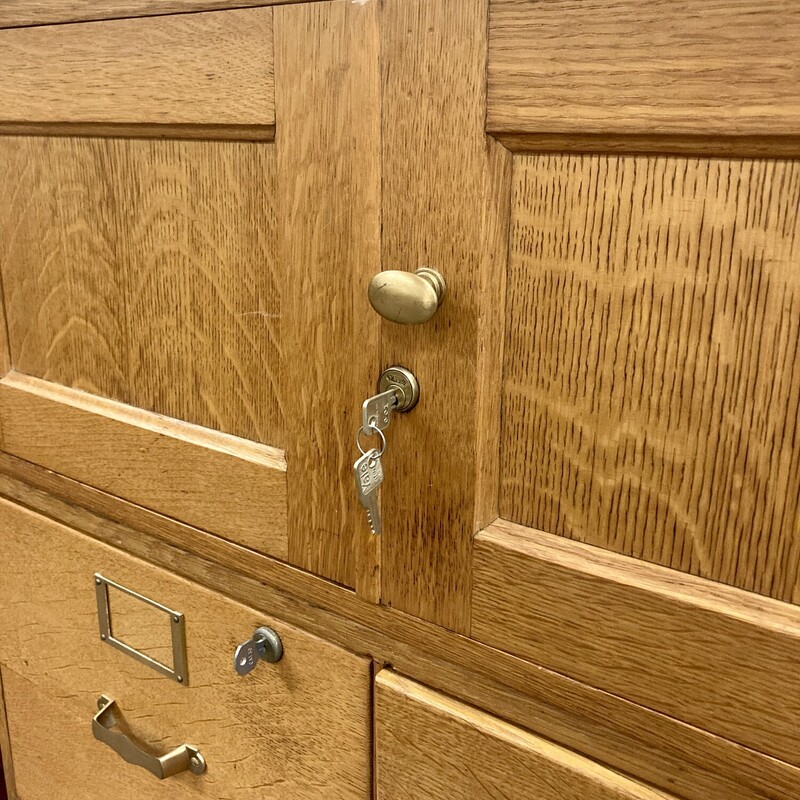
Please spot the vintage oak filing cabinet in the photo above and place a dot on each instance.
(225, 225)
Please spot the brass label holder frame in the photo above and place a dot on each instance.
(179, 671)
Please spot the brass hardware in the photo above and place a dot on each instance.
(408, 298)
(179, 671)
(402, 380)
(398, 390)
(185, 757)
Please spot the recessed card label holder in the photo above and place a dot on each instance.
(179, 671)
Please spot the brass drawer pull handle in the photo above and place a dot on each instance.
(178, 760)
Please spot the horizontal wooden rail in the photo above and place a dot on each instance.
(714, 656)
(230, 486)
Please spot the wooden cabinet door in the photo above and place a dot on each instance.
(603, 475)
(602, 472)
(626, 372)
(188, 225)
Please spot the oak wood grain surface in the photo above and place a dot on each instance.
(445, 194)
(7, 790)
(328, 157)
(296, 730)
(188, 75)
(430, 747)
(708, 654)
(655, 71)
(5, 350)
(146, 272)
(651, 401)
(233, 487)
(18, 13)
(654, 747)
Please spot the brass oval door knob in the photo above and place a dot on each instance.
(408, 298)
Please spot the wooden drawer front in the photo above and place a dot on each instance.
(295, 729)
(430, 747)
(713, 656)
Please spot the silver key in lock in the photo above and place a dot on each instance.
(377, 410)
(398, 391)
(265, 645)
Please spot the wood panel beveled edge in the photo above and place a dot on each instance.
(6, 364)
(130, 9)
(681, 588)
(689, 144)
(270, 457)
(221, 483)
(640, 742)
(137, 130)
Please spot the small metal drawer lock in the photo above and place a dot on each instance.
(265, 645)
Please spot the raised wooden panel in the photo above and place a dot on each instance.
(198, 75)
(231, 487)
(328, 146)
(145, 271)
(716, 657)
(295, 730)
(429, 747)
(651, 402)
(694, 76)
(445, 196)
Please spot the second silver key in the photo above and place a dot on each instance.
(369, 476)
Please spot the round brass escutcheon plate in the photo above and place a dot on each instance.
(404, 380)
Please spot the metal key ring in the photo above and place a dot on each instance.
(370, 430)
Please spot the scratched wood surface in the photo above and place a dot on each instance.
(295, 730)
(702, 75)
(652, 370)
(145, 272)
(199, 75)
